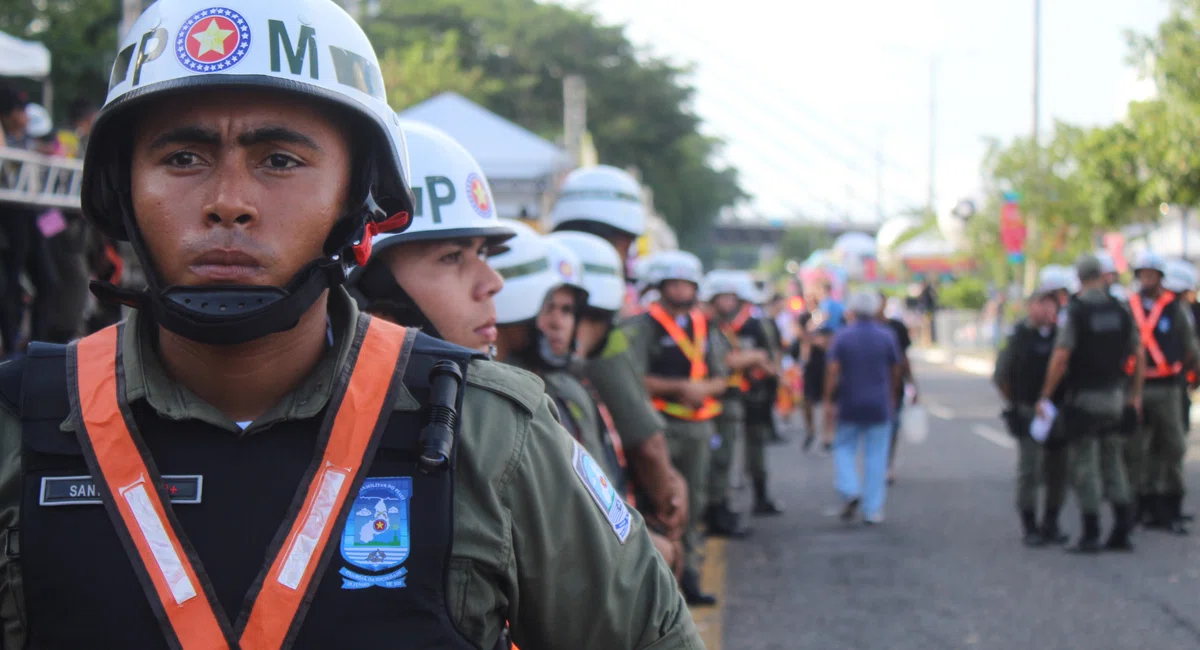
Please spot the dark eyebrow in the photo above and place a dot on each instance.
(277, 134)
(187, 135)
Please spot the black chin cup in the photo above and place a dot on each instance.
(231, 314)
(377, 291)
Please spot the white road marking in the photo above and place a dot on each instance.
(994, 436)
(939, 411)
(974, 366)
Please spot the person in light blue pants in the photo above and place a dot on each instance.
(863, 370)
(875, 440)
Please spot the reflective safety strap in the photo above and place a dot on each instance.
(1146, 324)
(157, 545)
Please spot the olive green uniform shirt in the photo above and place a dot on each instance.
(732, 405)
(530, 547)
(614, 374)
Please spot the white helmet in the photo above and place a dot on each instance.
(452, 197)
(722, 281)
(675, 265)
(1107, 263)
(40, 123)
(532, 268)
(1150, 260)
(1180, 276)
(602, 196)
(643, 272)
(310, 50)
(1054, 278)
(601, 268)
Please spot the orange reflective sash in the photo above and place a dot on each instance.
(158, 549)
(1146, 324)
(694, 351)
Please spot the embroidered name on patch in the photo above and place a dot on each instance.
(82, 490)
(603, 493)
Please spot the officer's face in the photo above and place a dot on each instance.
(453, 286)
(236, 187)
(726, 303)
(1149, 279)
(556, 321)
(1043, 310)
(679, 292)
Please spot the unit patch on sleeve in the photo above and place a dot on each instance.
(376, 534)
(603, 493)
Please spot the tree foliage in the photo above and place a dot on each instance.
(509, 55)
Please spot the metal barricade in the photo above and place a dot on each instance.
(35, 180)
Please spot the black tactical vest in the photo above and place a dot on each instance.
(1174, 348)
(230, 496)
(670, 362)
(1032, 353)
(1102, 334)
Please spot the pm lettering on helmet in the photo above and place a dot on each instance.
(436, 199)
(306, 48)
(150, 46)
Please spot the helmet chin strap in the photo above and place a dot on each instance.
(382, 294)
(237, 314)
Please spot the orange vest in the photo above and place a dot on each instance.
(1146, 324)
(155, 543)
(694, 351)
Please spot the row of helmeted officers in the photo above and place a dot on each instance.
(1096, 379)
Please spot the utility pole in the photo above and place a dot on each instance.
(879, 179)
(931, 204)
(574, 116)
(1030, 219)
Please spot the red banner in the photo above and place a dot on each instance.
(1012, 228)
(1114, 243)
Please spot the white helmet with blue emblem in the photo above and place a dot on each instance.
(1150, 260)
(601, 262)
(533, 267)
(1180, 276)
(309, 50)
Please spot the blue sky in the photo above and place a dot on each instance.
(806, 93)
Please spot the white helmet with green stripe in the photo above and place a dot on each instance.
(602, 200)
(675, 265)
(310, 50)
(533, 267)
(601, 268)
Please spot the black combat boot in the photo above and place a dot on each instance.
(1033, 536)
(1051, 533)
(1147, 510)
(689, 584)
(1118, 539)
(1089, 540)
(722, 522)
(763, 504)
(1173, 514)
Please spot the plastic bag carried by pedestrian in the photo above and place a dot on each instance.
(914, 423)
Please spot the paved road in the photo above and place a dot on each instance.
(947, 569)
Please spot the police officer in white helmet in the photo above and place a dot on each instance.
(435, 275)
(607, 202)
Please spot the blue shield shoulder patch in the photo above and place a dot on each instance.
(603, 493)
(376, 536)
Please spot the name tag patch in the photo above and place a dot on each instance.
(603, 493)
(82, 490)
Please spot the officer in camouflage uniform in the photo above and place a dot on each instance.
(674, 344)
(1020, 370)
(1095, 349)
(1155, 455)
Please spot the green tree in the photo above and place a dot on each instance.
(425, 68)
(637, 105)
(81, 36)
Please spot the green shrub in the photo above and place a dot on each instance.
(967, 292)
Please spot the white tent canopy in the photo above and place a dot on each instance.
(505, 150)
(20, 58)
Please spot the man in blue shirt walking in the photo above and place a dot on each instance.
(863, 370)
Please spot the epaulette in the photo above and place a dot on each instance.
(520, 386)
